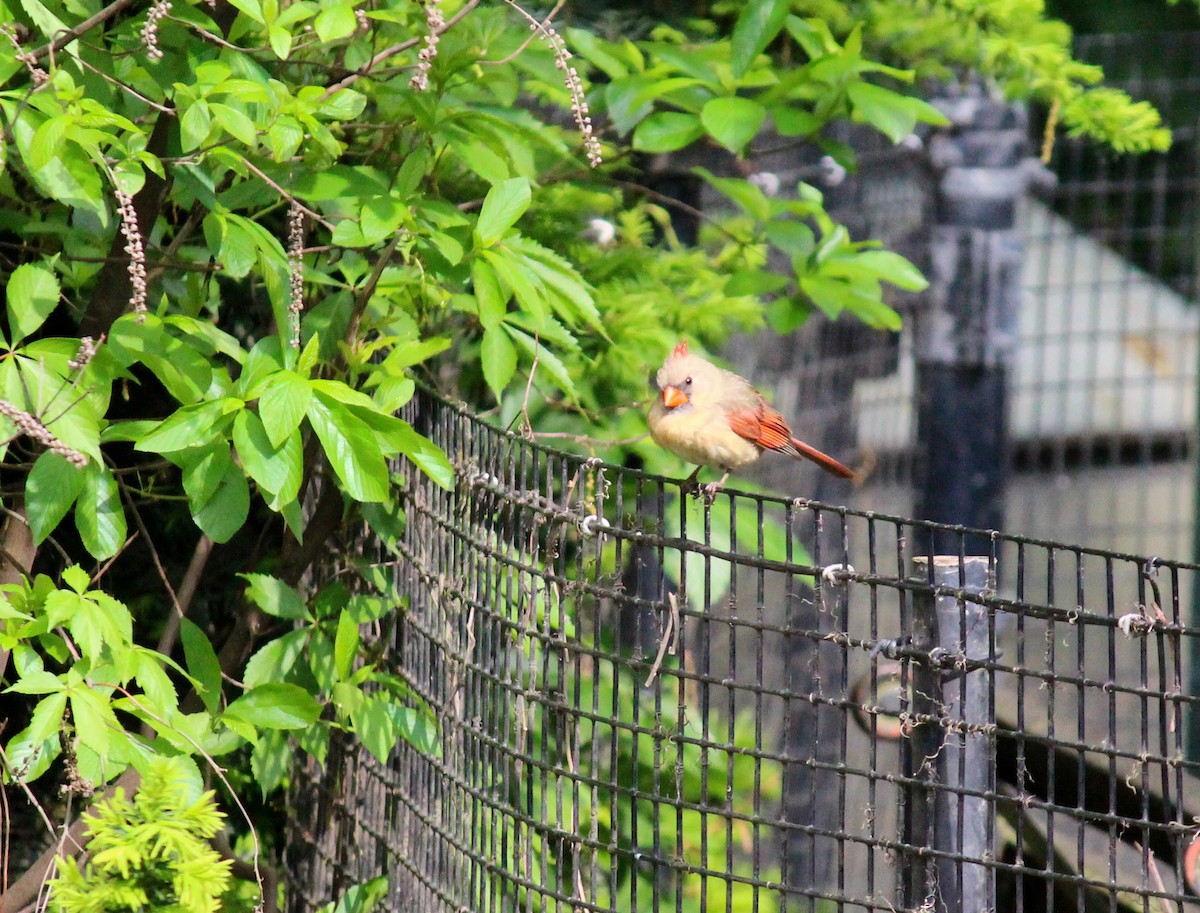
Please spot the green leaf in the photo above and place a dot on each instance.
(732, 122)
(666, 131)
(99, 516)
(887, 266)
(47, 717)
(350, 448)
(273, 468)
(185, 372)
(218, 494)
(276, 705)
(271, 761)
(345, 645)
(202, 664)
(275, 659)
(424, 453)
(362, 898)
(274, 596)
(504, 204)
(498, 356)
(756, 27)
(547, 360)
(194, 125)
(236, 123)
(282, 404)
(749, 197)
(335, 22)
(891, 113)
(189, 426)
(793, 238)
(51, 489)
(490, 298)
(32, 293)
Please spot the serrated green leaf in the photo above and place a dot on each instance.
(274, 660)
(32, 293)
(274, 596)
(504, 204)
(275, 705)
(271, 760)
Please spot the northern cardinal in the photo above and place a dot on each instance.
(713, 417)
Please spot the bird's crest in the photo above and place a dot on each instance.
(681, 349)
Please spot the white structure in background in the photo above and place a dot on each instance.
(1103, 349)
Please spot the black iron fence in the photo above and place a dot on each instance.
(643, 702)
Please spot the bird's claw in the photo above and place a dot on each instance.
(710, 491)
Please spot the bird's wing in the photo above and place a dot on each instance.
(765, 427)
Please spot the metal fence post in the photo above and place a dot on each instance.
(966, 330)
(950, 756)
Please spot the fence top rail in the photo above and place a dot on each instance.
(511, 438)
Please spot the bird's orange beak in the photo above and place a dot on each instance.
(673, 396)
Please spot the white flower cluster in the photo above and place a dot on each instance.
(157, 13)
(295, 252)
(28, 58)
(31, 427)
(579, 105)
(434, 23)
(87, 350)
(133, 247)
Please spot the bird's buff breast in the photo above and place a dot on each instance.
(700, 437)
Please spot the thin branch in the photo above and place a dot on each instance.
(394, 50)
(87, 25)
(681, 206)
(287, 196)
(524, 44)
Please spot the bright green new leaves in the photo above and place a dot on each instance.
(505, 203)
(891, 113)
(275, 597)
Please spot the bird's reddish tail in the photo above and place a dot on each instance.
(826, 462)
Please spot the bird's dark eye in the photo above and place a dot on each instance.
(652, 379)
(687, 382)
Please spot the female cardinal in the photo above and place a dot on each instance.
(713, 417)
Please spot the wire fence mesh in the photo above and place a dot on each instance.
(646, 702)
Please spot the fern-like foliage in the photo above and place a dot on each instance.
(150, 852)
(1013, 43)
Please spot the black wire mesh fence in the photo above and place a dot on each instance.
(644, 702)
